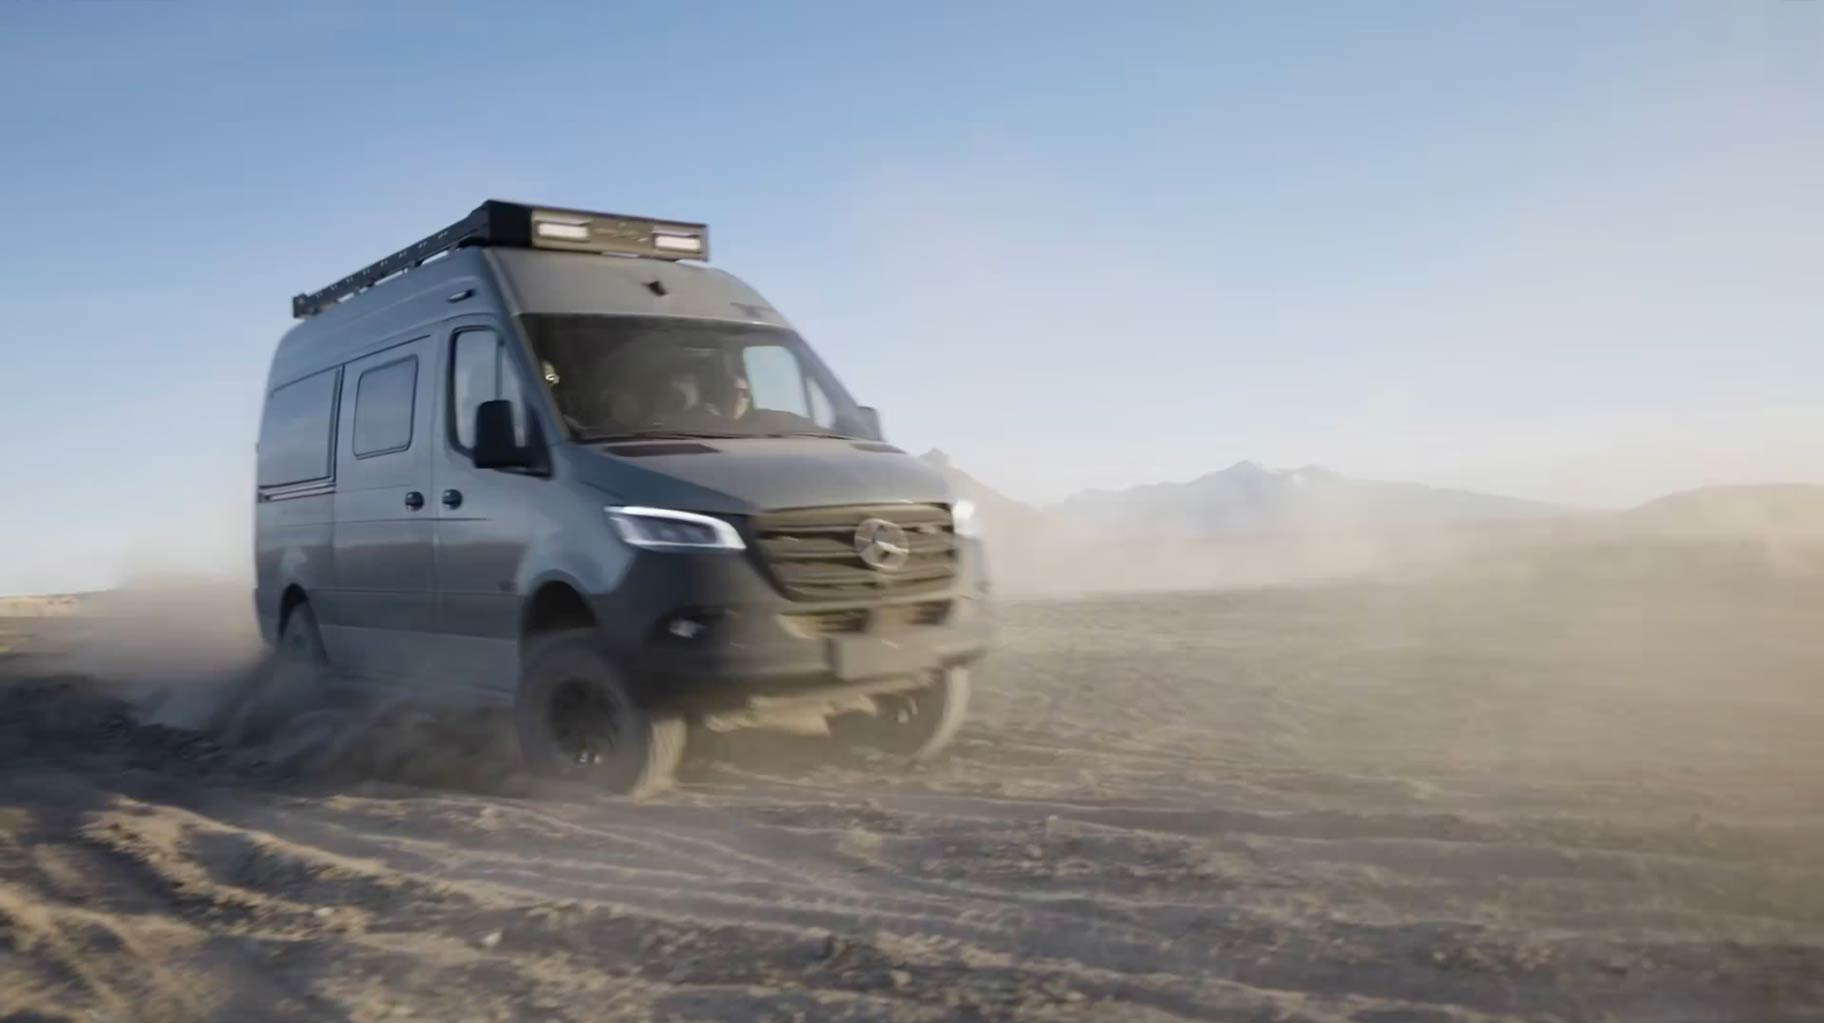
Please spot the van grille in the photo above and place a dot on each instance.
(811, 551)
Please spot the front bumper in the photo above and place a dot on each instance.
(711, 630)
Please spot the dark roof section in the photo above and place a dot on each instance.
(516, 225)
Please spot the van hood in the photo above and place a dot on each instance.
(747, 475)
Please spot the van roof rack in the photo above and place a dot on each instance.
(515, 225)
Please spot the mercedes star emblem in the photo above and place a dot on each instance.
(882, 545)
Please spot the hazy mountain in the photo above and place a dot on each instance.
(1715, 539)
(1251, 526)
(1772, 512)
(1246, 498)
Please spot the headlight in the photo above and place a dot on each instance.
(965, 519)
(662, 529)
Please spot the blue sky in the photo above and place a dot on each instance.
(1563, 251)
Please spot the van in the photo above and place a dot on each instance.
(546, 461)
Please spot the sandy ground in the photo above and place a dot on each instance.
(1375, 804)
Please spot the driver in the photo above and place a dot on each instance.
(685, 392)
(726, 396)
(740, 398)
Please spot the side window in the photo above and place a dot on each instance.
(480, 371)
(296, 431)
(779, 384)
(385, 398)
(821, 413)
(775, 379)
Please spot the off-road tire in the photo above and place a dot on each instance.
(578, 721)
(916, 724)
(292, 682)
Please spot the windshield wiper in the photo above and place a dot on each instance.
(808, 433)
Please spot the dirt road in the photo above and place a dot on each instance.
(1379, 805)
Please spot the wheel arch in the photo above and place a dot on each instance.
(290, 600)
(555, 604)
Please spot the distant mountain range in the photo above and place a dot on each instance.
(1246, 498)
(1248, 525)
(1773, 512)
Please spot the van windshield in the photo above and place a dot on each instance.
(631, 376)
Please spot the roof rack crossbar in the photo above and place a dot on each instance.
(490, 223)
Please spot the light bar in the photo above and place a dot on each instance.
(563, 230)
(577, 231)
(677, 242)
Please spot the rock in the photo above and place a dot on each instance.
(900, 978)
(490, 939)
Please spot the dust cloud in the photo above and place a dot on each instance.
(1722, 537)
(173, 645)
(1560, 769)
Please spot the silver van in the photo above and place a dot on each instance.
(544, 459)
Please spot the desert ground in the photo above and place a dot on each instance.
(1415, 803)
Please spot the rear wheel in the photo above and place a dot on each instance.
(293, 682)
(578, 720)
(916, 724)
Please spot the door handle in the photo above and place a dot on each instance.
(414, 500)
(452, 499)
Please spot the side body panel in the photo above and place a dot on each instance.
(381, 596)
(294, 525)
(293, 546)
(295, 528)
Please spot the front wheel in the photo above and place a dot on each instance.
(578, 720)
(916, 724)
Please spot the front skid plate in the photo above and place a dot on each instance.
(806, 710)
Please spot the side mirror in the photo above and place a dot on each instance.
(497, 445)
(870, 421)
